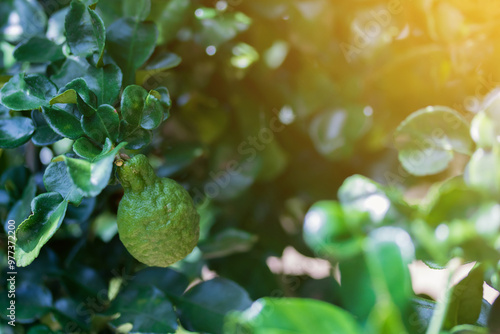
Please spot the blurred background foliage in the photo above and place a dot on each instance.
(275, 104)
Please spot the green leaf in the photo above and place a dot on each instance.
(483, 170)
(165, 101)
(227, 242)
(57, 179)
(335, 132)
(104, 123)
(222, 28)
(105, 226)
(169, 16)
(22, 208)
(106, 82)
(62, 122)
(78, 92)
(158, 63)
(48, 212)
(85, 31)
(26, 92)
(202, 309)
(91, 177)
(85, 148)
(291, 315)
(132, 104)
(428, 139)
(32, 18)
(146, 308)
(384, 205)
(38, 50)
(467, 298)
(32, 301)
(169, 281)
(44, 135)
(389, 250)
(138, 107)
(15, 131)
(179, 157)
(131, 43)
(136, 137)
(137, 9)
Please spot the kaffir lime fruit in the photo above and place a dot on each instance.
(157, 220)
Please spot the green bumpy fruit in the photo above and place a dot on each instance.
(157, 220)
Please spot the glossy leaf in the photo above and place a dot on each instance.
(335, 132)
(85, 31)
(131, 43)
(26, 92)
(15, 131)
(138, 107)
(77, 92)
(104, 123)
(201, 310)
(48, 212)
(428, 139)
(38, 50)
(62, 122)
(91, 177)
(85, 148)
(104, 81)
(22, 208)
(43, 135)
(32, 18)
(57, 179)
(146, 308)
(291, 315)
(136, 137)
(228, 242)
(364, 195)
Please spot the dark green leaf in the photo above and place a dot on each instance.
(147, 308)
(228, 242)
(104, 123)
(85, 31)
(62, 122)
(22, 208)
(56, 179)
(106, 82)
(428, 139)
(165, 100)
(169, 281)
(169, 16)
(78, 92)
(44, 135)
(85, 148)
(32, 302)
(137, 9)
(38, 50)
(82, 212)
(292, 315)
(48, 212)
(15, 131)
(179, 157)
(140, 108)
(202, 309)
(91, 177)
(136, 137)
(26, 92)
(466, 299)
(131, 43)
